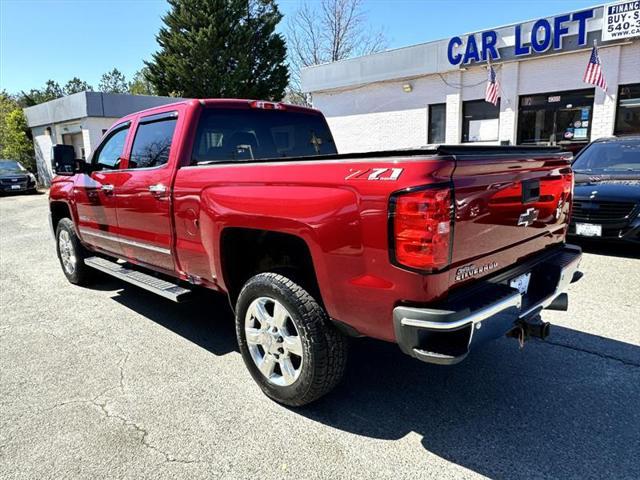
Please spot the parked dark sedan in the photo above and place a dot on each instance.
(606, 201)
(15, 178)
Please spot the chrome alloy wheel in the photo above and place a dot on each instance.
(273, 340)
(67, 252)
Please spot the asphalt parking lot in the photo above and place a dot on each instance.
(113, 382)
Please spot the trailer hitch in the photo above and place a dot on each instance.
(527, 328)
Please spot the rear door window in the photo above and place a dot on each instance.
(228, 135)
(152, 143)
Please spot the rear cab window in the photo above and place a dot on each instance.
(244, 135)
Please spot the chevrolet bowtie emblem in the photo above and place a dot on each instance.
(528, 217)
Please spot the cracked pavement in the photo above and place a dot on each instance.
(113, 382)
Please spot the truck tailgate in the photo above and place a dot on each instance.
(507, 202)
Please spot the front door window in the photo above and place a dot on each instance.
(110, 152)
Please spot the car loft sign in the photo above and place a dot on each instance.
(621, 20)
(545, 34)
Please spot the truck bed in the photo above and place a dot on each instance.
(427, 150)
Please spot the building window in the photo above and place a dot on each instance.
(437, 122)
(557, 118)
(480, 121)
(628, 113)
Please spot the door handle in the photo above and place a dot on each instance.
(158, 189)
(107, 188)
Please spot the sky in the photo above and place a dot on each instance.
(60, 39)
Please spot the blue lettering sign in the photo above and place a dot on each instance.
(581, 18)
(454, 59)
(471, 53)
(544, 35)
(559, 30)
(520, 48)
(541, 44)
(489, 50)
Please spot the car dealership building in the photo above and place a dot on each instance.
(434, 92)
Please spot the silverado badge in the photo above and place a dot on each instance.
(472, 270)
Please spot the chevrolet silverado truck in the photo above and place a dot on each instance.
(436, 249)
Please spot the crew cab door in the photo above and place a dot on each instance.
(144, 195)
(95, 193)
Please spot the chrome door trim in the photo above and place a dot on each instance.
(133, 243)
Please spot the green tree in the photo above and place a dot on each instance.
(113, 82)
(75, 85)
(140, 85)
(15, 142)
(325, 31)
(51, 91)
(220, 48)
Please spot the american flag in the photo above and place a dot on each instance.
(594, 74)
(492, 92)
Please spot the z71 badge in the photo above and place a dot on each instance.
(375, 174)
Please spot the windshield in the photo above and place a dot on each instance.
(227, 135)
(609, 157)
(11, 166)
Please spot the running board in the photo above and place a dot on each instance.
(135, 277)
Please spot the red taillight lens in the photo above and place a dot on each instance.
(422, 228)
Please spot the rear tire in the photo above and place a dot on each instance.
(71, 253)
(286, 340)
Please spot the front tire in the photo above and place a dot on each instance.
(286, 340)
(71, 253)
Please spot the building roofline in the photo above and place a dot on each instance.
(91, 104)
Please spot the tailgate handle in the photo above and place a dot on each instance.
(530, 191)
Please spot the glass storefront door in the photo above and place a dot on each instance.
(559, 118)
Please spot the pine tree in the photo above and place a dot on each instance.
(220, 48)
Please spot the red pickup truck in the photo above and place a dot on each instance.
(437, 249)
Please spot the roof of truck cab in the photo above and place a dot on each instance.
(241, 102)
(218, 103)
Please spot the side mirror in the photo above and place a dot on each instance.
(63, 159)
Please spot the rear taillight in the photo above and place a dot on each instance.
(421, 228)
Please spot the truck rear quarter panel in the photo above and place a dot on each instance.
(334, 206)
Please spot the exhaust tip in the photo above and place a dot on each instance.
(561, 302)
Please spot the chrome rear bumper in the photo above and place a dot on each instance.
(445, 334)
